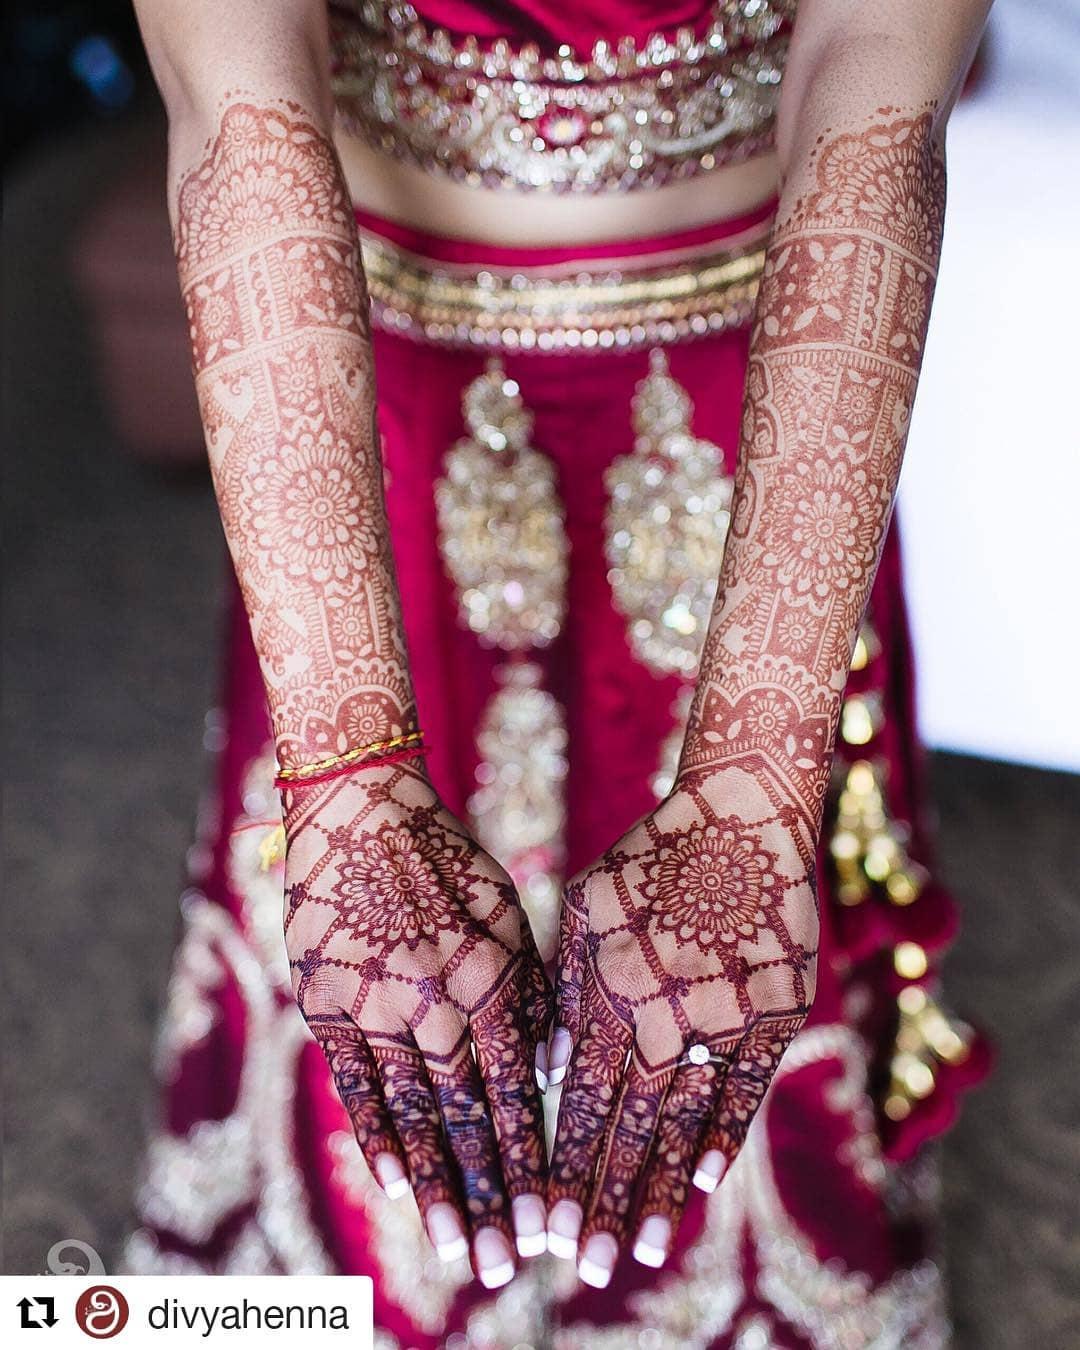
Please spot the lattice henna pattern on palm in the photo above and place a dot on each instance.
(698, 929)
(714, 887)
(409, 951)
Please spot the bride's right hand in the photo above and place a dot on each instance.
(413, 963)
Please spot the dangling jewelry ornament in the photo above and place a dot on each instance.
(501, 522)
(503, 539)
(667, 519)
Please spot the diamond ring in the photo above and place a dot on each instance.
(701, 1054)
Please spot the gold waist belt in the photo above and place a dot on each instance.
(599, 305)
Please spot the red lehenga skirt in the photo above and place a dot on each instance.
(552, 743)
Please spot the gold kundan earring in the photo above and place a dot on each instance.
(666, 523)
(503, 540)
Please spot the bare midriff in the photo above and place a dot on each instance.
(434, 204)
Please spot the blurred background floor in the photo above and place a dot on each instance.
(110, 662)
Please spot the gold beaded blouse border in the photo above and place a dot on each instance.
(623, 116)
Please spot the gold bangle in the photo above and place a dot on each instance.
(359, 752)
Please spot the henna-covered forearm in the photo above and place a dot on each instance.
(274, 293)
(411, 958)
(834, 359)
(689, 951)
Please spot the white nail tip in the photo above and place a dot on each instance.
(649, 1255)
(397, 1188)
(705, 1181)
(558, 1244)
(452, 1251)
(556, 1076)
(498, 1275)
(598, 1276)
(531, 1244)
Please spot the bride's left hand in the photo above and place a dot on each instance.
(687, 964)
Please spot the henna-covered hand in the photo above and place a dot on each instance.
(687, 964)
(411, 957)
(414, 965)
(700, 928)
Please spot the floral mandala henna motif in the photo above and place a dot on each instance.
(835, 355)
(395, 884)
(269, 267)
(711, 883)
(834, 525)
(695, 930)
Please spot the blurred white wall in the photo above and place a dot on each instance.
(990, 495)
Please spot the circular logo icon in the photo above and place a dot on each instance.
(101, 1311)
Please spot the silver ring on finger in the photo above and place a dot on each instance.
(700, 1054)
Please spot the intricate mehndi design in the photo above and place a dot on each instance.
(411, 957)
(695, 929)
(409, 950)
(835, 356)
(699, 928)
(269, 267)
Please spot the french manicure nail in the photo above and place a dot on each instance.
(391, 1176)
(652, 1241)
(494, 1259)
(444, 1229)
(563, 1227)
(559, 1056)
(598, 1260)
(710, 1171)
(541, 1066)
(530, 1235)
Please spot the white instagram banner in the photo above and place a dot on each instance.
(49, 1312)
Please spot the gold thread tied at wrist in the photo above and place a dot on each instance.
(406, 746)
(589, 306)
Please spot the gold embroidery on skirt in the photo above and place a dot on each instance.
(926, 1037)
(501, 530)
(665, 527)
(868, 845)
